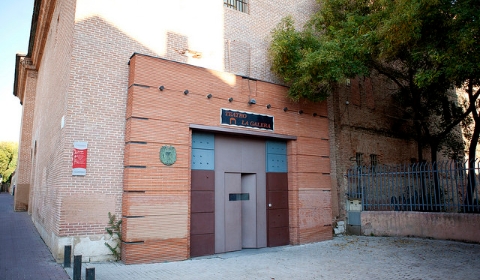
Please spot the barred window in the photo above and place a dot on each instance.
(359, 159)
(239, 5)
(373, 160)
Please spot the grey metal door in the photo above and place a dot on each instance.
(240, 194)
(233, 212)
(249, 210)
(240, 211)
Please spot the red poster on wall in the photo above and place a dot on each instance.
(79, 159)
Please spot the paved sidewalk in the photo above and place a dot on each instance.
(350, 257)
(23, 254)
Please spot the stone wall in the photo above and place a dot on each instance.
(447, 226)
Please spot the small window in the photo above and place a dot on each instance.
(359, 159)
(239, 5)
(373, 160)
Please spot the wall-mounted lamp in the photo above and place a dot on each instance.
(300, 112)
(315, 114)
(285, 109)
(230, 99)
(269, 106)
(186, 92)
(161, 88)
(209, 95)
(347, 82)
(252, 101)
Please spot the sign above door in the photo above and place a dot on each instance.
(246, 119)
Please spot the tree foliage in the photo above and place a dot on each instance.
(422, 46)
(8, 159)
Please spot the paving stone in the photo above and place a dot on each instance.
(23, 254)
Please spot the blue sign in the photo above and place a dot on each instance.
(237, 118)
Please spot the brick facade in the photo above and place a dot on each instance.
(157, 196)
(21, 180)
(81, 51)
(367, 126)
(93, 72)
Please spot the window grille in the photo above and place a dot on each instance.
(373, 160)
(239, 5)
(359, 159)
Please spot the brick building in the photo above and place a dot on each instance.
(166, 114)
(368, 130)
(188, 135)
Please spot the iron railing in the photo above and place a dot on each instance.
(239, 5)
(450, 186)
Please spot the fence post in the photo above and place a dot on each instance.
(67, 256)
(77, 267)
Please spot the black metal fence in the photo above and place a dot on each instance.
(450, 186)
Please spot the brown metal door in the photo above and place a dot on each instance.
(277, 210)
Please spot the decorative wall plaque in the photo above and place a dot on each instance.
(168, 155)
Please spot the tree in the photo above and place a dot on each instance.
(461, 56)
(401, 40)
(8, 160)
(424, 47)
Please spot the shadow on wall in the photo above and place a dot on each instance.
(97, 98)
(98, 91)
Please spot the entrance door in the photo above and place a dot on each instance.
(240, 194)
(240, 211)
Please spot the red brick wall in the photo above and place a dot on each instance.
(164, 117)
(23, 171)
(247, 36)
(83, 78)
(51, 158)
(367, 120)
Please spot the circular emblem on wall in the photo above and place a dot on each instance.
(168, 155)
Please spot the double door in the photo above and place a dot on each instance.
(240, 194)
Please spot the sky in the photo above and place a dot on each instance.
(15, 20)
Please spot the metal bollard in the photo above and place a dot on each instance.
(67, 256)
(90, 273)
(77, 267)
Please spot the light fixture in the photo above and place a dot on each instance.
(190, 53)
(161, 88)
(209, 95)
(230, 99)
(269, 106)
(300, 112)
(252, 101)
(186, 92)
(285, 109)
(314, 114)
